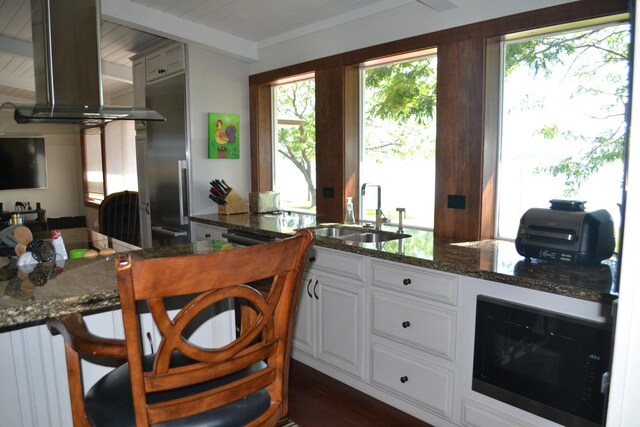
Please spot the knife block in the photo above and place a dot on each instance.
(235, 204)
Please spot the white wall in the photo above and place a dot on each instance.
(217, 84)
(63, 195)
(399, 23)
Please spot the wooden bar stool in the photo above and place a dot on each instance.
(244, 382)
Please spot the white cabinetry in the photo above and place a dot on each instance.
(165, 61)
(331, 312)
(413, 335)
(139, 81)
(206, 232)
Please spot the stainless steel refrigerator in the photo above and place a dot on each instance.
(166, 176)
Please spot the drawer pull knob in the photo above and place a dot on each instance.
(406, 282)
(404, 379)
(406, 324)
(312, 259)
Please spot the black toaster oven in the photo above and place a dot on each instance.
(566, 233)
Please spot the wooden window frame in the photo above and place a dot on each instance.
(467, 123)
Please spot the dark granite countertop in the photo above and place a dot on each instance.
(494, 260)
(32, 294)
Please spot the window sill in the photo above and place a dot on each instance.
(92, 203)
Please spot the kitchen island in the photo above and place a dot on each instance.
(33, 370)
(32, 295)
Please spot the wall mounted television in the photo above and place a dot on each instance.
(22, 163)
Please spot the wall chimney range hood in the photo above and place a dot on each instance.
(67, 67)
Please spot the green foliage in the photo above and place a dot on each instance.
(400, 108)
(296, 140)
(403, 91)
(599, 78)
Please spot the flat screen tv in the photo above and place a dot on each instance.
(22, 163)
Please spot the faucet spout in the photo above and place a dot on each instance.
(380, 218)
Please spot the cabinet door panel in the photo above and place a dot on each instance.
(154, 65)
(341, 324)
(304, 335)
(174, 59)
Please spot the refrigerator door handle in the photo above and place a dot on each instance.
(183, 195)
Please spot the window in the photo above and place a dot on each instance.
(399, 136)
(92, 153)
(563, 127)
(109, 160)
(294, 169)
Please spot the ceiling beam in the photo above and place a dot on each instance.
(24, 83)
(23, 49)
(439, 5)
(15, 47)
(153, 21)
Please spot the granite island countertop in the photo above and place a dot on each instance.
(493, 260)
(32, 294)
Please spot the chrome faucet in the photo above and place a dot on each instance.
(380, 218)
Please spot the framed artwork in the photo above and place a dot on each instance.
(224, 136)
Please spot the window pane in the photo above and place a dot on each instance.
(93, 166)
(398, 137)
(563, 122)
(294, 171)
(120, 151)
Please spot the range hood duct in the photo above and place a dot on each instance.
(68, 67)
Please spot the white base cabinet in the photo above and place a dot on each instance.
(205, 232)
(33, 372)
(418, 335)
(330, 321)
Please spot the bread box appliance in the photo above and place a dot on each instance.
(566, 233)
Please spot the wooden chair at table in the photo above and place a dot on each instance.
(244, 382)
(119, 217)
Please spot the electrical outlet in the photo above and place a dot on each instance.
(456, 201)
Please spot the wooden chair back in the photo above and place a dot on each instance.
(119, 217)
(208, 280)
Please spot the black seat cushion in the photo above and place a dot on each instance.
(109, 403)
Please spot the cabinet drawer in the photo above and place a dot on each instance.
(475, 414)
(416, 281)
(414, 379)
(414, 322)
(337, 262)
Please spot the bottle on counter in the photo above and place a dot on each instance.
(349, 217)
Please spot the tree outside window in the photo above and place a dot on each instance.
(563, 121)
(399, 136)
(295, 145)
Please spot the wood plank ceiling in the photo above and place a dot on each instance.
(253, 21)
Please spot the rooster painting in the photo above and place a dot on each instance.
(223, 136)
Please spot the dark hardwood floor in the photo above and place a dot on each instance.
(316, 400)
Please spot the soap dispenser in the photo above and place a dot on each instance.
(349, 217)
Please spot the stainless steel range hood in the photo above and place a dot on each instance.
(67, 67)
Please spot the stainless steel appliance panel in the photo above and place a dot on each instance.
(166, 154)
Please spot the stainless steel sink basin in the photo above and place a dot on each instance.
(335, 231)
(374, 237)
(358, 235)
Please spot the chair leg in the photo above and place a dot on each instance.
(75, 387)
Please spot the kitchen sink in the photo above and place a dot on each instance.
(335, 232)
(359, 235)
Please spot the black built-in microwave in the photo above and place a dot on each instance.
(546, 363)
